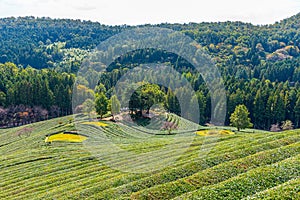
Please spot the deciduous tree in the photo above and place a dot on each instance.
(101, 103)
(240, 118)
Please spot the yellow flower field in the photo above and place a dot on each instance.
(95, 123)
(65, 137)
(214, 132)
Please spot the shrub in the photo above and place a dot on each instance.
(287, 125)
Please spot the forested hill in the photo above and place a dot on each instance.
(260, 66)
(26, 40)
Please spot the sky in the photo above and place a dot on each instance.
(134, 12)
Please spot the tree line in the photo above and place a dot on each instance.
(268, 102)
(260, 66)
(29, 95)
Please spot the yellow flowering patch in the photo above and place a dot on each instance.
(65, 137)
(95, 123)
(214, 132)
(226, 132)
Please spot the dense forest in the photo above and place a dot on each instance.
(40, 59)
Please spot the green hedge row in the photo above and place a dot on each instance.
(288, 190)
(172, 174)
(249, 183)
(218, 173)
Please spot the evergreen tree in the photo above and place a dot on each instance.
(297, 112)
(278, 108)
(171, 103)
(259, 110)
(202, 105)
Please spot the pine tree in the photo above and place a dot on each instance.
(202, 105)
(193, 115)
(259, 110)
(172, 104)
(279, 108)
(290, 102)
(297, 112)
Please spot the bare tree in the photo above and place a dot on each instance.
(169, 126)
(37, 110)
(275, 128)
(25, 131)
(44, 114)
(54, 111)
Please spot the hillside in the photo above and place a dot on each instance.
(44, 42)
(249, 165)
(260, 67)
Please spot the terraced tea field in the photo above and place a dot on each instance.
(244, 165)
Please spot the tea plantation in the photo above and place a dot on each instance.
(245, 165)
